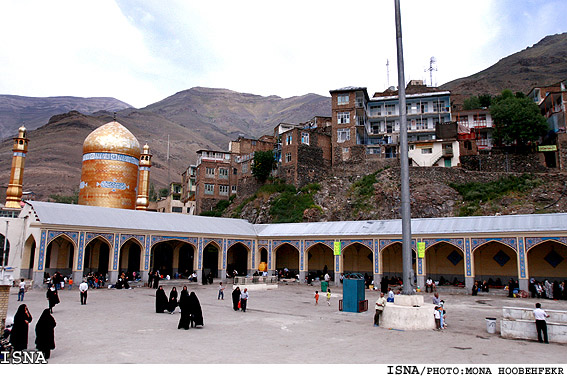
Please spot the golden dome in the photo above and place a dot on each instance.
(112, 138)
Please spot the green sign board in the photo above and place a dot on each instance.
(337, 246)
(547, 148)
(421, 249)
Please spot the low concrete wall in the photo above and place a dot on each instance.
(519, 323)
(408, 317)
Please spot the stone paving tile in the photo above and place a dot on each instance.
(280, 326)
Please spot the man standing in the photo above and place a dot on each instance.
(541, 325)
(380, 305)
(244, 299)
(83, 288)
(22, 290)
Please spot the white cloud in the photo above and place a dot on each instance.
(141, 52)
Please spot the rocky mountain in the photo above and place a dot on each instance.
(220, 115)
(198, 118)
(544, 63)
(34, 112)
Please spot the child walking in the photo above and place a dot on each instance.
(316, 297)
(329, 297)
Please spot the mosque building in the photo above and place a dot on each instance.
(111, 232)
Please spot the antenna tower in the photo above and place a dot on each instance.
(388, 73)
(431, 68)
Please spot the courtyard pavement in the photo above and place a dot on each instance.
(280, 326)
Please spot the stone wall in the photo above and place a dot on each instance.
(562, 151)
(4, 297)
(360, 163)
(504, 162)
(247, 186)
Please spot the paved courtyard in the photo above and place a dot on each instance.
(280, 326)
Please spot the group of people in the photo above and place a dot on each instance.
(189, 306)
(240, 299)
(15, 337)
(547, 289)
(479, 286)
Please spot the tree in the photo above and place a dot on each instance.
(152, 194)
(517, 118)
(264, 162)
(483, 101)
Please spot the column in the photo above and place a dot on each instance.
(469, 265)
(377, 275)
(302, 261)
(523, 280)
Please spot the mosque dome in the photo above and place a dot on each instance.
(112, 138)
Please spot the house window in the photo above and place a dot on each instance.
(233, 189)
(390, 109)
(343, 135)
(411, 147)
(373, 150)
(426, 150)
(424, 107)
(210, 172)
(177, 209)
(421, 124)
(304, 138)
(289, 139)
(389, 127)
(235, 171)
(345, 150)
(223, 190)
(468, 145)
(439, 106)
(343, 117)
(253, 142)
(288, 157)
(245, 168)
(375, 110)
(209, 189)
(223, 173)
(342, 99)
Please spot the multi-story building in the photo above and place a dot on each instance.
(304, 151)
(477, 123)
(188, 184)
(372, 125)
(173, 203)
(552, 103)
(215, 178)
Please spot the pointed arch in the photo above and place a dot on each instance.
(547, 260)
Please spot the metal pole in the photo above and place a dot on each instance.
(404, 163)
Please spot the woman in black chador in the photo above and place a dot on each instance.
(19, 334)
(195, 310)
(45, 333)
(52, 297)
(172, 300)
(235, 298)
(161, 300)
(185, 319)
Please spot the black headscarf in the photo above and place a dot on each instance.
(235, 298)
(173, 299)
(185, 319)
(45, 332)
(161, 300)
(52, 296)
(195, 310)
(19, 334)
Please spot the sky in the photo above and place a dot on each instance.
(141, 52)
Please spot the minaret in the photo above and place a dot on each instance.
(14, 192)
(142, 201)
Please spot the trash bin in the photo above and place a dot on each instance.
(324, 286)
(491, 325)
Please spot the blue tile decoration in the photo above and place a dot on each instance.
(509, 241)
(522, 253)
(125, 237)
(192, 240)
(387, 242)
(301, 255)
(457, 242)
(468, 259)
(42, 247)
(376, 257)
(347, 243)
(247, 243)
(253, 254)
(309, 243)
(553, 258)
(294, 243)
(420, 266)
(534, 241)
(81, 251)
(73, 236)
(116, 253)
(501, 258)
(148, 251)
(107, 236)
(270, 255)
(455, 257)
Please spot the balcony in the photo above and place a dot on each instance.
(447, 152)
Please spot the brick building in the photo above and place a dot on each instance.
(304, 151)
(215, 178)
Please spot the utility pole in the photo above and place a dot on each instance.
(168, 170)
(404, 163)
(387, 73)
